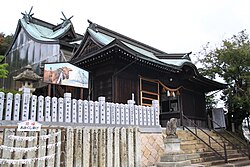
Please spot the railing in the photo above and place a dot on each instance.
(78, 112)
(234, 145)
(210, 138)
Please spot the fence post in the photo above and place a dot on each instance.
(110, 146)
(1, 105)
(102, 109)
(130, 146)
(74, 113)
(155, 105)
(148, 109)
(112, 113)
(116, 153)
(80, 111)
(47, 109)
(97, 112)
(91, 112)
(126, 113)
(40, 108)
(17, 106)
(122, 116)
(8, 111)
(117, 114)
(152, 111)
(131, 111)
(137, 145)
(86, 111)
(33, 107)
(136, 115)
(25, 104)
(67, 107)
(54, 110)
(60, 110)
(108, 116)
(144, 115)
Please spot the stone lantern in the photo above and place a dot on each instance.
(27, 77)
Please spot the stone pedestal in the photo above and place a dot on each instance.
(173, 156)
(172, 145)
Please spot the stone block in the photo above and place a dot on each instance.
(174, 164)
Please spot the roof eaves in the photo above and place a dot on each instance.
(119, 44)
(206, 81)
(18, 28)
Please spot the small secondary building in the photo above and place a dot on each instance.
(37, 42)
(122, 68)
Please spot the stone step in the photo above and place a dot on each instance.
(203, 154)
(222, 162)
(209, 156)
(210, 153)
(213, 158)
(201, 147)
(244, 163)
(216, 147)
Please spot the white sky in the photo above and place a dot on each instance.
(173, 26)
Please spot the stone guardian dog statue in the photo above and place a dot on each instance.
(171, 128)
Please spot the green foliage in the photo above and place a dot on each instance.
(5, 42)
(3, 71)
(10, 91)
(231, 61)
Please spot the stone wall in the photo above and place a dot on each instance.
(152, 147)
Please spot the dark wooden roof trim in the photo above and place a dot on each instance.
(135, 55)
(209, 85)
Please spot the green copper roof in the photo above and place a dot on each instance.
(43, 33)
(105, 40)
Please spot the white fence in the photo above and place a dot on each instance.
(66, 110)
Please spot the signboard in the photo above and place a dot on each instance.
(219, 118)
(29, 125)
(65, 74)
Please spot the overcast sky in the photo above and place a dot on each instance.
(173, 26)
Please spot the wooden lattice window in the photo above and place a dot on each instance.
(149, 91)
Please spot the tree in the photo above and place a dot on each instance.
(5, 42)
(3, 71)
(231, 62)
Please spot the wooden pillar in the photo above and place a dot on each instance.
(81, 93)
(49, 89)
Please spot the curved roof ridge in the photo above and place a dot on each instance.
(98, 28)
(43, 33)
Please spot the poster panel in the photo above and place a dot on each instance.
(65, 74)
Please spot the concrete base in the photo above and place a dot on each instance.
(174, 164)
(173, 156)
(172, 145)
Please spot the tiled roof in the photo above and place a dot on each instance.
(105, 39)
(43, 33)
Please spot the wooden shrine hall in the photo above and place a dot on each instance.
(122, 68)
